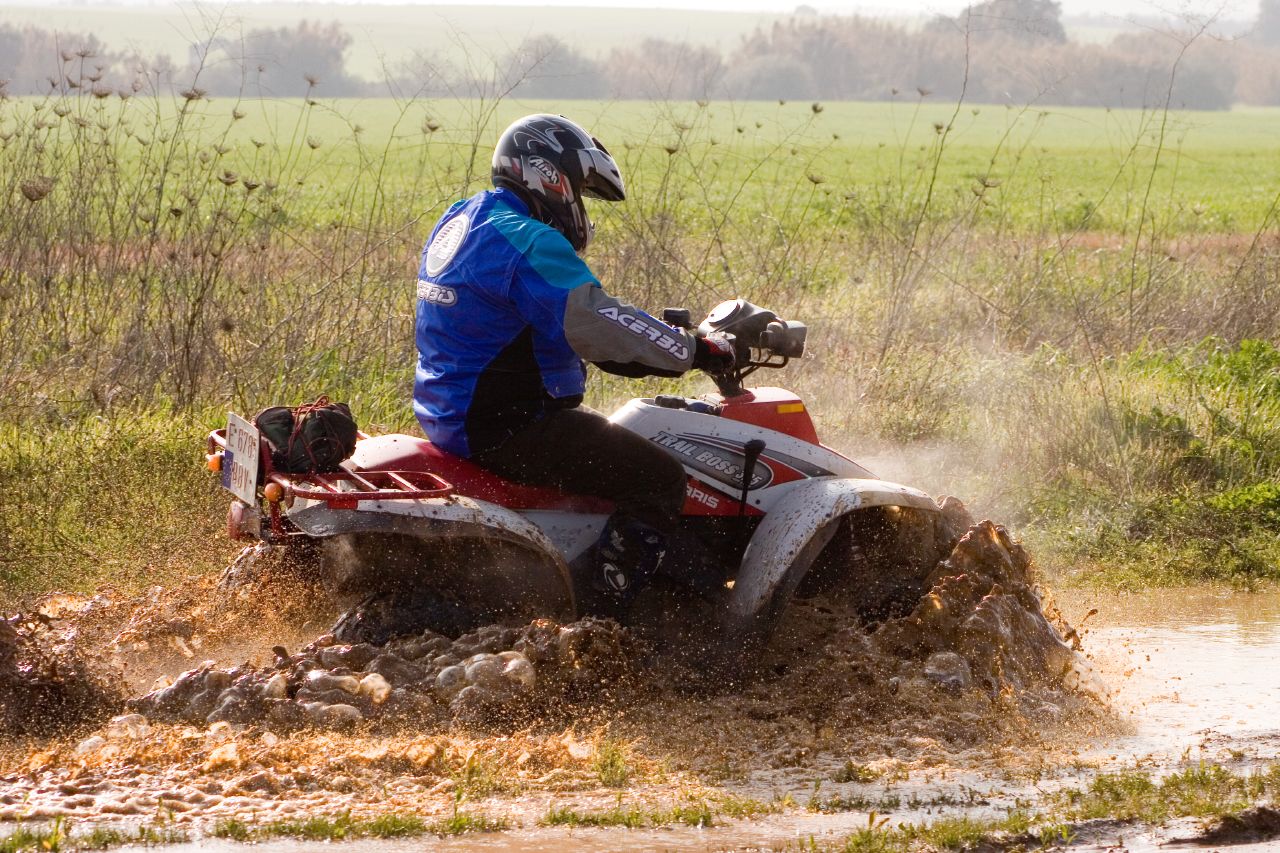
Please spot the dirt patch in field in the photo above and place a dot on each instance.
(978, 667)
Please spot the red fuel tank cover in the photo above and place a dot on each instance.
(772, 408)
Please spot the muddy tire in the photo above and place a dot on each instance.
(879, 560)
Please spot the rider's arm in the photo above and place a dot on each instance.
(554, 289)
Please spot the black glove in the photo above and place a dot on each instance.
(715, 353)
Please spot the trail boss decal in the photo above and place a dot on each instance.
(722, 461)
(719, 463)
(657, 333)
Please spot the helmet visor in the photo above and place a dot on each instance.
(601, 177)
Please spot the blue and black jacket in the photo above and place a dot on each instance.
(507, 313)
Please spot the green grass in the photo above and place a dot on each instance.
(610, 764)
(632, 816)
(344, 827)
(948, 833)
(60, 836)
(1205, 790)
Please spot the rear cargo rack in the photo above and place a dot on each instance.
(344, 489)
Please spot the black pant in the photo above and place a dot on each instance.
(583, 453)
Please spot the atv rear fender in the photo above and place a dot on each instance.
(790, 538)
(544, 580)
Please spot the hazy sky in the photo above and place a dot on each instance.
(1230, 9)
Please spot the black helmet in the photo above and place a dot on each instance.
(551, 163)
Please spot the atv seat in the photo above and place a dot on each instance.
(409, 453)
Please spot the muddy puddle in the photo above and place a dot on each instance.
(846, 720)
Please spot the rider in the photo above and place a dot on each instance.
(507, 316)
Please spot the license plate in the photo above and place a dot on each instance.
(240, 463)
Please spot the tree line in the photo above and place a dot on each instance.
(997, 51)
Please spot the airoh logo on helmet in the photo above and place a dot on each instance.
(548, 172)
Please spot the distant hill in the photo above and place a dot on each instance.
(391, 32)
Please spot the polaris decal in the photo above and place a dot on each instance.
(657, 333)
(437, 293)
(718, 463)
(702, 496)
(446, 244)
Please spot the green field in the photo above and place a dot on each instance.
(1067, 317)
(1051, 169)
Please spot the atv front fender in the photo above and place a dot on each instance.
(790, 538)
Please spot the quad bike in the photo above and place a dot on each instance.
(785, 515)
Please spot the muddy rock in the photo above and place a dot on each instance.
(351, 657)
(397, 670)
(948, 670)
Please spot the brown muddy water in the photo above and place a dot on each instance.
(1168, 678)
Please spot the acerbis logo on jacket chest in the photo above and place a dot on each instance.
(437, 293)
(446, 243)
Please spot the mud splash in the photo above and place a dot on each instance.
(508, 712)
(46, 685)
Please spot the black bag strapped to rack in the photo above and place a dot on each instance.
(313, 438)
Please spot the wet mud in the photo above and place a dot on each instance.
(240, 709)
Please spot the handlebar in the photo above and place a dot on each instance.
(762, 339)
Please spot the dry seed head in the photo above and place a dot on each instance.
(250, 184)
(175, 212)
(37, 188)
(312, 80)
(741, 129)
(816, 107)
(228, 177)
(782, 102)
(313, 142)
(236, 115)
(257, 143)
(67, 56)
(193, 94)
(671, 149)
(146, 216)
(136, 85)
(924, 93)
(816, 179)
(221, 149)
(124, 95)
(429, 126)
(702, 103)
(938, 127)
(85, 53)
